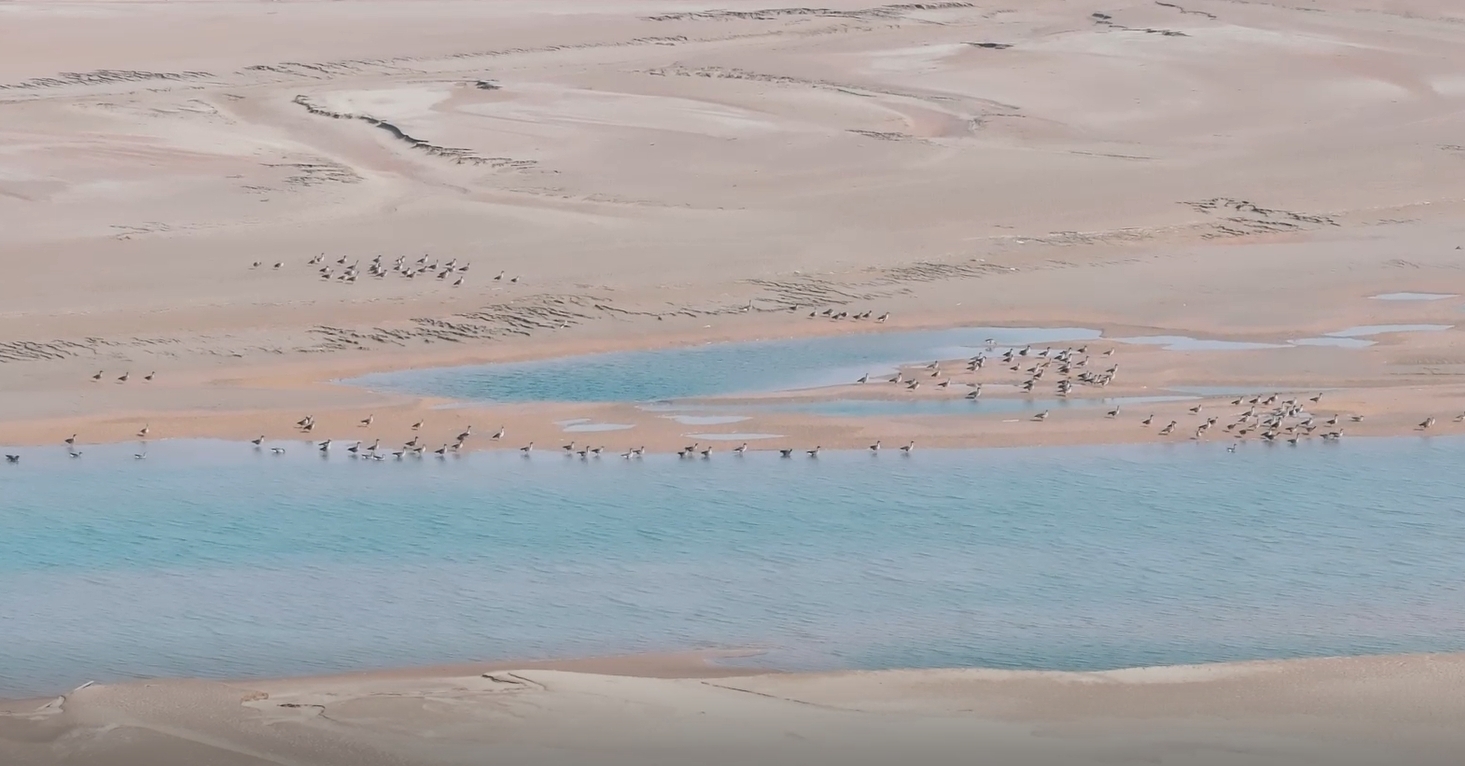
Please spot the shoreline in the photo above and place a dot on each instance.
(1390, 408)
(703, 664)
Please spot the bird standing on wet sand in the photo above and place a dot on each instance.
(144, 432)
(367, 421)
(149, 377)
(124, 377)
(1041, 416)
(71, 440)
(1428, 422)
(499, 434)
(98, 376)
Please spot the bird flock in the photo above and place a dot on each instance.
(1270, 418)
(347, 270)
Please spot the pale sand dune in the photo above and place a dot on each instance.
(1403, 710)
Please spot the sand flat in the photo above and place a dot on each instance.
(1295, 712)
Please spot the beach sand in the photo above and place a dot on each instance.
(1338, 712)
(656, 172)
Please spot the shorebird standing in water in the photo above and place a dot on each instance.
(909, 448)
(876, 446)
(786, 452)
(12, 458)
(277, 450)
(813, 452)
(527, 448)
(741, 448)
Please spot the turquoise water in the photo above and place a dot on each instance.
(713, 369)
(957, 405)
(211, 559)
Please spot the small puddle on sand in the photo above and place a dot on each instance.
(1413, 296)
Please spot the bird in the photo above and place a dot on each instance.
(417, 425)
(12, 458)
(1231, 448)
(813, 452)
(909, 448)
(786, 452)
(527, 448)
(278, 264)
(706, 452)
(741, 449)
(1316, 399)
(325, 446)
(1114, 413)
(353, 449)
(499, 434)
(876, 446)
(568, 448)
(1041, 416)
(124, 377)
(140, 456)
(74, 453)
(367, 421)
(143, 432)
(1426, 424)
(98, 376)
(441, 451)
(1148, 420)
(149, 377)
(277, 450)
(864, 378)
(500, 277)
(71, 439)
